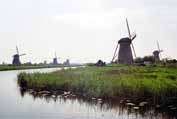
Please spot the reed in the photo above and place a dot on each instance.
(109, 81)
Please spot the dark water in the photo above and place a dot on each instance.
(14, 105)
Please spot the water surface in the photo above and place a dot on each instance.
(14, 105)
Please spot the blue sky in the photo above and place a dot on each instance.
(85, 30)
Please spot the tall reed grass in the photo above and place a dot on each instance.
(107, 82)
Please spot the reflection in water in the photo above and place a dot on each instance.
(107, 106)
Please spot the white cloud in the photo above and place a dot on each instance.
(84, 30)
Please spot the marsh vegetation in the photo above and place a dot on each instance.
(155, 83)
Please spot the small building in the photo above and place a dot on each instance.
(100, 63)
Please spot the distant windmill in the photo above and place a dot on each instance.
(157, 52)
(124, 55)
(16, 58)
(55, 59)
(67, 62)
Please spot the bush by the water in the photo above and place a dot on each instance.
(106, 82)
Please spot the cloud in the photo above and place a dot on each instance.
(84, 30)
(160, 3)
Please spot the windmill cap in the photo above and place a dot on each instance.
(16, 55)
(125, 40)
(156, 52)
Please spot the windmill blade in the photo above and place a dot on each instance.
(160, 54)
(22, 54)
(158, 46)
(114, 56)
(133, 50)
(55, 55)
(17, 50)
(128, 28)
(133, 37)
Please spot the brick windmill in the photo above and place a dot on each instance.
(124, 55)
(55, 59)
(157, 53)
(16, 58)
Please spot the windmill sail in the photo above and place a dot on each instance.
(55, 55)
(133, 37)
(133, 50)
(17, 50)
(128, 28)
(22, 54)
(115, 53)
(158, 47)
(130, 36)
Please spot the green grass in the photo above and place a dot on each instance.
(6, 68)
(107, 82)
(11, 67)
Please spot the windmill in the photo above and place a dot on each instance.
(157, 52)
(124, 55)
(16, 58)
(67, 62)
(55, 59)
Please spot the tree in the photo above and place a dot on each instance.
(139, 60)
(149, 59)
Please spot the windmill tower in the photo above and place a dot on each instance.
(16, 58)
(55, 59)
(67, 62)
(156, 53)
(124, 55)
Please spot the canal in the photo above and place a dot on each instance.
(14, 104)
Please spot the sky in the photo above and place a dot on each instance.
(85, 30)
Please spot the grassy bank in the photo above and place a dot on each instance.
(106, 82)
(11, 67)
(6, 68)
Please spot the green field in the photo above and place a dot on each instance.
(155, 82)
(6, 68)
(11, 67)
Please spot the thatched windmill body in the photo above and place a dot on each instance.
(157, 53)
(67, 62)
(16, 58)
(55, 59)
(124, 55)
